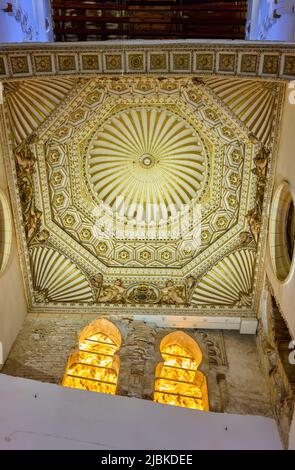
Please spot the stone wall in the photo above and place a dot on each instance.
(273, 346)
(230, 360)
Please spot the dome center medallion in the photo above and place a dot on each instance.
(146, 161)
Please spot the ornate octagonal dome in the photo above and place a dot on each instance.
(155, 143)
(146, 162)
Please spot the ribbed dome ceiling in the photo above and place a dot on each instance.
(149, 157)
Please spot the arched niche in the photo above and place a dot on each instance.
(178, 381)
(282, 231)
(95, 365)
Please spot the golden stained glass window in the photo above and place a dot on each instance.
(95, 365)
(178, 381)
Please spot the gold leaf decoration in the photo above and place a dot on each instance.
(56, 278)
(32, 101)
(229, 282)
(252, 102)
(148, 156)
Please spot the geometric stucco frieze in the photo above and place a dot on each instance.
(228, 58)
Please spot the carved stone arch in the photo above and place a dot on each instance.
(178, 381)
(183, 340)
(95, 365)
(104, 326)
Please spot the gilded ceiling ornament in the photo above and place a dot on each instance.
(204, 62)
(145, 255)
(93, 97)
(96, 283)
(90, 62)
(197, 81)
(245, 238)
(117, 293)
(25, 162)
(102, 247)
(260, 171)
(113, 293)
(190, 284)
(245, 299)
(235, 179)
(158, 61)
(270, 64)
(236, 59)
(33, 223)
(289, 65)
(2, 66)
(227, 62)
(142, 294)
(41, 295)
(249, 63)
(43, 63)
(261, 161)
(19, 64)
(168, 84)
(166, 255)
(205, 236)
(181, 61)
(59, 200)
(124, 255)
(42, 236)
(173, 295)
(66, 63)
(254, 222)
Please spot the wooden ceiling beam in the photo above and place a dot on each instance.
(216, 6)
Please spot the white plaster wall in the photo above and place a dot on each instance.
(285, 291)
(261, 25)
(13, 306)
(35, 12)
(37, 415)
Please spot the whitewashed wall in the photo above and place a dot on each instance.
(37, 415)
(29, 21)
(13, 306)
(285, 291)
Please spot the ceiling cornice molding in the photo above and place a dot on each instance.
(228, 58)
